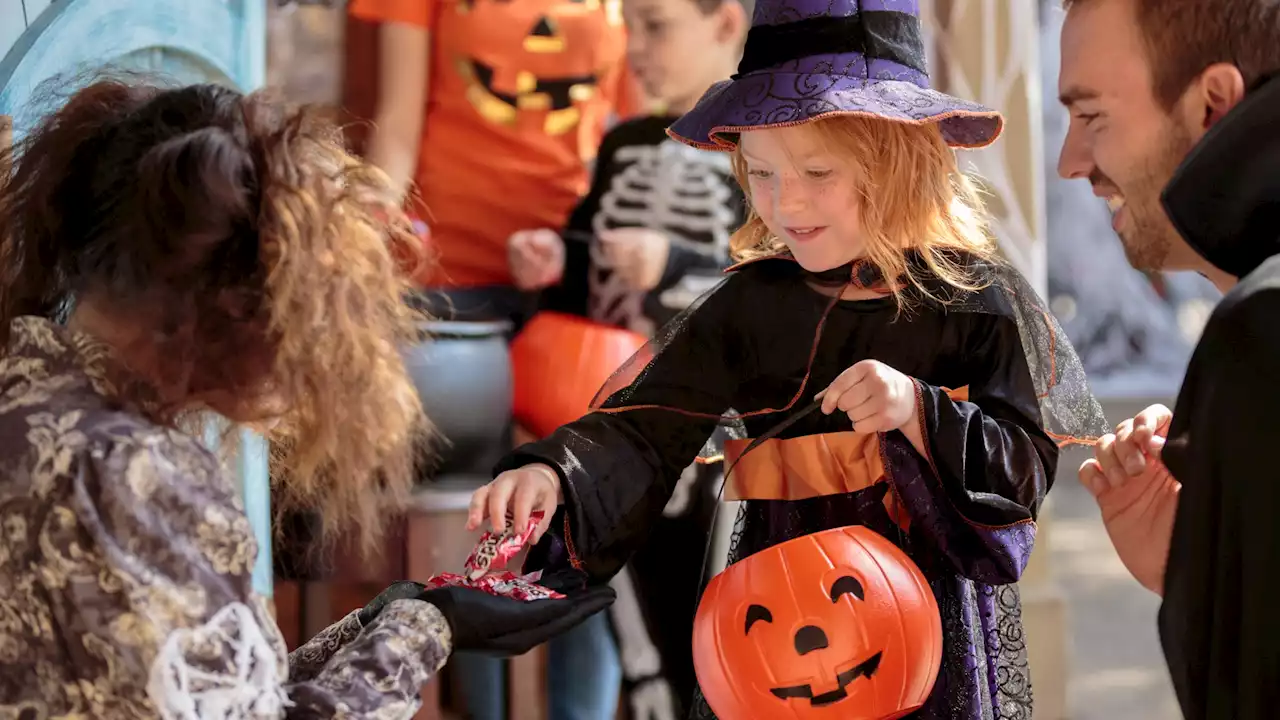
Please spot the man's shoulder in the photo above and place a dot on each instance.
(1245, 320)
(1257, 292)
(1259, 282)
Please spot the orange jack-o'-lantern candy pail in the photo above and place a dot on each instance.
(837, 624)
(558, 364)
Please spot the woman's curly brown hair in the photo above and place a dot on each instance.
(265, 267)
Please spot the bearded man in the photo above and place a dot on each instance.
(1175, 121)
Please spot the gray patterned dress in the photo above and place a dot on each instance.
(125, 571)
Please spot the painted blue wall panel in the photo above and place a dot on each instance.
(254, 476)
(78, 35)
(189, 41)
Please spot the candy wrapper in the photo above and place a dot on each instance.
(485, 566)
(507, 584)
(495, 550)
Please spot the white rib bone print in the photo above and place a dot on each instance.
(667, 187)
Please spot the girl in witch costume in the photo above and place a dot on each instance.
(882, 365)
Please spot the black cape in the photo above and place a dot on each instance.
(1218, 624)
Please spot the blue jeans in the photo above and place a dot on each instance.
(584, 676)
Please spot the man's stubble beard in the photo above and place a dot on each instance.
(1151, 235)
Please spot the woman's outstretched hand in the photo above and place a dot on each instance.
(402, 590)
(494, 624)
(498, 625)
(518, 493)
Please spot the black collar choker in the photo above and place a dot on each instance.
(859, 273)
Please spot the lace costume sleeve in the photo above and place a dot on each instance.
(158, 578)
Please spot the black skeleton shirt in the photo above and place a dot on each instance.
(644, 179)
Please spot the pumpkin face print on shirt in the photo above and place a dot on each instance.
(540, 60)
(518, 95)
(521, 91)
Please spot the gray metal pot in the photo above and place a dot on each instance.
(463, 374)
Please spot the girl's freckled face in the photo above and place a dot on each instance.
(807, 196)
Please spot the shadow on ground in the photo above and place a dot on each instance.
(1117, 670)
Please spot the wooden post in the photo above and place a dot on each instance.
(434, 544)
(988, 52)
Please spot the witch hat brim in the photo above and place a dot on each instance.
(801, 64)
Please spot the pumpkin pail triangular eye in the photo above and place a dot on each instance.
(755, 614)
(847, 585)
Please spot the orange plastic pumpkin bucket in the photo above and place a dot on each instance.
(558, 364)
(836, 624)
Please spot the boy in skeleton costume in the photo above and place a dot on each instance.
(651, 236)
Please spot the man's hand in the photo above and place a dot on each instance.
(1136, 493)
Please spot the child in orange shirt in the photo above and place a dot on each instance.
(492, 110)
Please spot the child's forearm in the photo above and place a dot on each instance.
(915, 435)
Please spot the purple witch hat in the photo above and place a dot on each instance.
(806, 59)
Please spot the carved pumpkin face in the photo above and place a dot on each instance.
(837, 624)
(538, 57)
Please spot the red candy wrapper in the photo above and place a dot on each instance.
(508, 584)
(495, 550)
(485, 566)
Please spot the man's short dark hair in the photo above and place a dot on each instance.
(1184, 37)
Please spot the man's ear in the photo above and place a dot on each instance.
(1219, 89)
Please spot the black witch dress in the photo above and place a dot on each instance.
(998, 390)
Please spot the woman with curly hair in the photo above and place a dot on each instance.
(166, 254)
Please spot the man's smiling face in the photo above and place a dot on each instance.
(1121, 139)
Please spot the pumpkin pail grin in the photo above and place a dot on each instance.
(866, 669)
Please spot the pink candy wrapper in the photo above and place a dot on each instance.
(507, 584)
(495, 550)
(485, 566)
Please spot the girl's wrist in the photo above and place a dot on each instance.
(552, 476)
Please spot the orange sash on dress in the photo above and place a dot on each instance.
(812, 466)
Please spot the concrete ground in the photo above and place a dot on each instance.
(1117, 670)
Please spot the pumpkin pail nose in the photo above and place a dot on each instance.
(810, 638)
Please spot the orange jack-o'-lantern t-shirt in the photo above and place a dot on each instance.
(519, 94)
